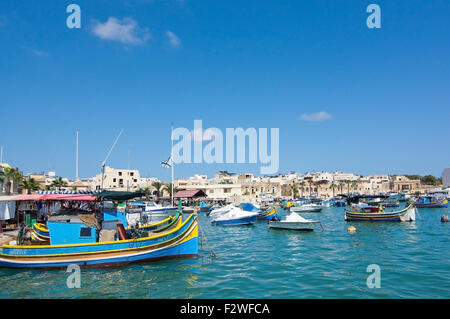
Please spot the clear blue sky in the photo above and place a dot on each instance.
(231, 64)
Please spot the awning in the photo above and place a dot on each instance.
(72, 197)
(6, 198)
(190, 193)
(27, 197)
(115, 195)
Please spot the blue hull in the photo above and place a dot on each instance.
(236, 222)
(186, 249)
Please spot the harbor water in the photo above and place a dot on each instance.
(258, 262)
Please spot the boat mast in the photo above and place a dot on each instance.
(76, 159)
(171, 158)
(107, 156)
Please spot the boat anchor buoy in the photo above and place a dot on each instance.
(444, 219)
(351, 229)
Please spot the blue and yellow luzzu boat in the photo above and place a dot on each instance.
(431, 202)
(270, 214)
(371, 213)
(181, 240)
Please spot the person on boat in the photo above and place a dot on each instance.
(380, 208)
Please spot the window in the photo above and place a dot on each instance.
(121, 181)
(131, 174)
(120, 173)
(85, 232)
(114, 180)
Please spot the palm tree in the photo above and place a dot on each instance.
(147, 192)
(2, 179)
(302, 186)
(348, 182)
(30, 185)
(58, 183)
(11, 175)
(294, 190)
(333, 186)
(157, 186)
(168, 188)
(355, 185)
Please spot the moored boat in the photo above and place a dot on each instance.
(180, 241)
(372, 213)
(269, 214)
(236, 216)
(307, 208)
(220, 210)
(295, 222)
(431, 202)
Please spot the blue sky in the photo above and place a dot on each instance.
(385, 92)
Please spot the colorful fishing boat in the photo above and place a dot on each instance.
(431, 202)
(269, 214)
(372, 213)
(179, 241)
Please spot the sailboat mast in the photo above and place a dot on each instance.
(76, 159)
(171, 159)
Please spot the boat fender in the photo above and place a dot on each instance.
(351, 229)
(444, 219)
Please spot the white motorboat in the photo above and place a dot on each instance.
(236, 216)
(154, 212)
(221, 210)
(306, 208)
(295, 222)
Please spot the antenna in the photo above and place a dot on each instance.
(109, 154)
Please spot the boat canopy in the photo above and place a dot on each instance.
(116, 195)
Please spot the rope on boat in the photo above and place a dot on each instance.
(321, 226)
(213, 254)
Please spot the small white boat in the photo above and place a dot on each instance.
(156, 212)
(236, 216)
(305, 208)
(220, 211)
(295, 222)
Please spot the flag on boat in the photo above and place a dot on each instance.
(167, 163)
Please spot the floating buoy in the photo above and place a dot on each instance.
(444, 219)
(351, 229)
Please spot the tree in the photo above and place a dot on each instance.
(429, 180)
(294, 190)
(168, 188)
(355, 185)
(11, 175)
(2, 178)
(58, 183)
(302, 186)
(30, 185)
(348, 182)
(333, 186)
(157, 186)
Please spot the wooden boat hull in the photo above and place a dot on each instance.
(439, 204)
(269, 214)
(181, 241)
(40, 231)
(407, 214)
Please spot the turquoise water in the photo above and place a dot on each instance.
(258, 262)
